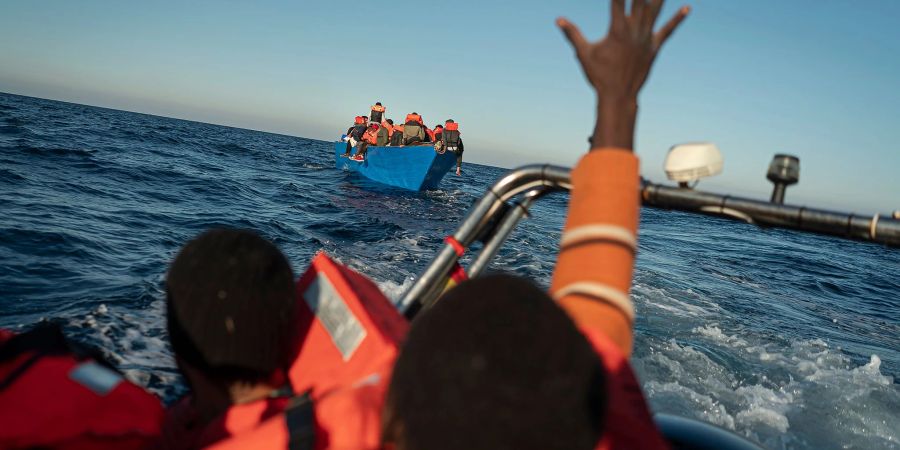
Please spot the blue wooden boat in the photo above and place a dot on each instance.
(413, 167)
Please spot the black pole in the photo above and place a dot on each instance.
(778, 193)
(877, 228)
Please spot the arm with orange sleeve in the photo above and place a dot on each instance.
(596, 260)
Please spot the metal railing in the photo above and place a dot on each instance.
(493, 218)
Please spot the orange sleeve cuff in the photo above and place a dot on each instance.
(604, 192)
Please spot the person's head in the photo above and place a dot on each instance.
(389, 121)
(448, 121)
(377, 103)
(230, 308)
(495, 364)
(438, 127)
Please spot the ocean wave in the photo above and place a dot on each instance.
(784, 337)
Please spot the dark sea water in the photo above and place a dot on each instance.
(790, 339)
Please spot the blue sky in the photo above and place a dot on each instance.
(817, 79)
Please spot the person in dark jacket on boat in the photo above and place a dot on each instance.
(452, 142)
(377, 113)
(355, 134)
(383, 135)
(499, 363)
(413, 130)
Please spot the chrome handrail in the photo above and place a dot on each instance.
(536, 181)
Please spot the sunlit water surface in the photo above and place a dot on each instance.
(790, 339)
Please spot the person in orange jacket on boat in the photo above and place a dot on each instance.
(377, 113)
(230, 308)
(388, 124)
(452, 142)
(497, 363)
(397, 135)
(413, 129)
(272, 364)
(438, 129)
(370, 137)
(383, 136)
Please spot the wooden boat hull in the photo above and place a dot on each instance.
(414, 167)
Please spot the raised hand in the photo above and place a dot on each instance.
(618, 65)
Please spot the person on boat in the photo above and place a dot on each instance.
(266, 360)
(497, 363)
(355, 133)
(388, 125)
(438, 129)
(451, 141)
(59, 393)
(384, 133)
(377, 113)
(230, 306)
(413, 130)
(370, 137)
(397, 135)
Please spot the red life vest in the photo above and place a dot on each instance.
(359, 119)
(451, 126)
(628, 420)
(353, 333)
(413, 117)
(54, 395)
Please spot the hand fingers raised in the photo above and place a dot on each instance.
(660, 38)
(652, 12)
(573, 34)
(637, 12)
(617, 18)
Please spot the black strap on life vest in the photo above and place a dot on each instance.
(300, 421)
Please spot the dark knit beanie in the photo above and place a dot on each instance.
(496, 364)
(230, 305)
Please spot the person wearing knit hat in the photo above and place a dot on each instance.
(230, 311)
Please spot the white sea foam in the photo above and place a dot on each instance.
(772, 393)
(395, 290)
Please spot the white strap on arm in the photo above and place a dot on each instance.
(602, 292)
(599, 232)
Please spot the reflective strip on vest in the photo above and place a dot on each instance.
(344, 328)
(95, 377)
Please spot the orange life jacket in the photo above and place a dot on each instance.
(377, 108)
(352, 337)
(628, 420)
(55, 394)
(451, 126)
(371, 136)
(359, 119)
(413, 117)
(430, 134)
